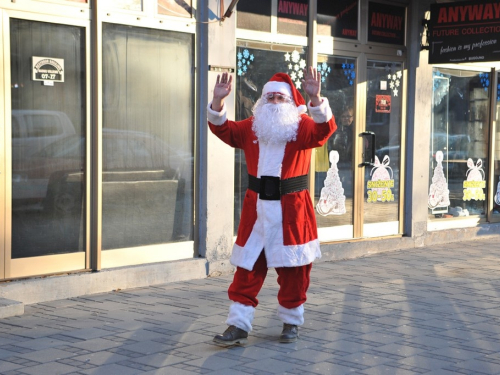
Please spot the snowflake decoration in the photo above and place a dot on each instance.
(394, 78)
(245, 58)
(324, 69)
(349, 73)
(295, 67)
(485, 80)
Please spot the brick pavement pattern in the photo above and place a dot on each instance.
(432, 310)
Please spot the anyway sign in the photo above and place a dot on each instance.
(464, 32)
(386, 23)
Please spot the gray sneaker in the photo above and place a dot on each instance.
(232, 335)
(290, 333)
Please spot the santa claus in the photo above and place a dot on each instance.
(278, 226)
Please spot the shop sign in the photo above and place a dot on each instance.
(341, 16)
(464, 32)
(383, 103)
(293, 10)
(379, 187)
(475, 183)
(47, 69)
(386, 23)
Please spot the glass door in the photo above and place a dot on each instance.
(46, 147)
(334, 166)
(382, 149)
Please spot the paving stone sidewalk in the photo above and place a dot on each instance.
(433, 310)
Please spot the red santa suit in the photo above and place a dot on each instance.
(285, 229)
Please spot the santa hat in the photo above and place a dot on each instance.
(282, 83)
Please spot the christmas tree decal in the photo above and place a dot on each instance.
(332, 199)
(439, 195)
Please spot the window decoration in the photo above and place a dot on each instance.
(295, 66)
(439, 194)
(394, 78)
(485, 80)
(332, 200)
(245, 58)
(349, 73)
(379, 187)
(475, 183)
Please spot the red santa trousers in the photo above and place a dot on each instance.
(293, 282)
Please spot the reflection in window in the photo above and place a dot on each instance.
(333, 162)
(147, 137)
(459, 143)
(255, 68)
(254, 15)
(178, 8)
(292, 17)
(338, 18)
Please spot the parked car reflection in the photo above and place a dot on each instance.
(123, 151)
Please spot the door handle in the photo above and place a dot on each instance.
(369, 139)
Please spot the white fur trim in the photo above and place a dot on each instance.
(214, 117)
(321, 113)
(291, 316)
(275, 86)
(302, 109)
(241, 316)
(278, 256)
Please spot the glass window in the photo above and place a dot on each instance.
(175, 8)
(459, 143)
(383, 121)
(292, 17)
(254, 15)
(147, 137)
(338, 18)
(48, 189)
(255, 68)
(334, 170)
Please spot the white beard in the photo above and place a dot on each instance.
(275, 123)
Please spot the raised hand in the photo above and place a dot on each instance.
(221, 90)
(312, 85)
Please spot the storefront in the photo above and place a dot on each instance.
(464, 173)
(97, 172)
(107, 161)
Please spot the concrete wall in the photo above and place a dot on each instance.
(220, 157)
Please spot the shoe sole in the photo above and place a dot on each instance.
(288, 341)
(229, 343)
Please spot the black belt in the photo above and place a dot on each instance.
(272, 188)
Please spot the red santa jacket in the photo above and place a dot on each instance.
(295, 240)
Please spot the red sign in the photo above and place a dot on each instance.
(383, 103)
